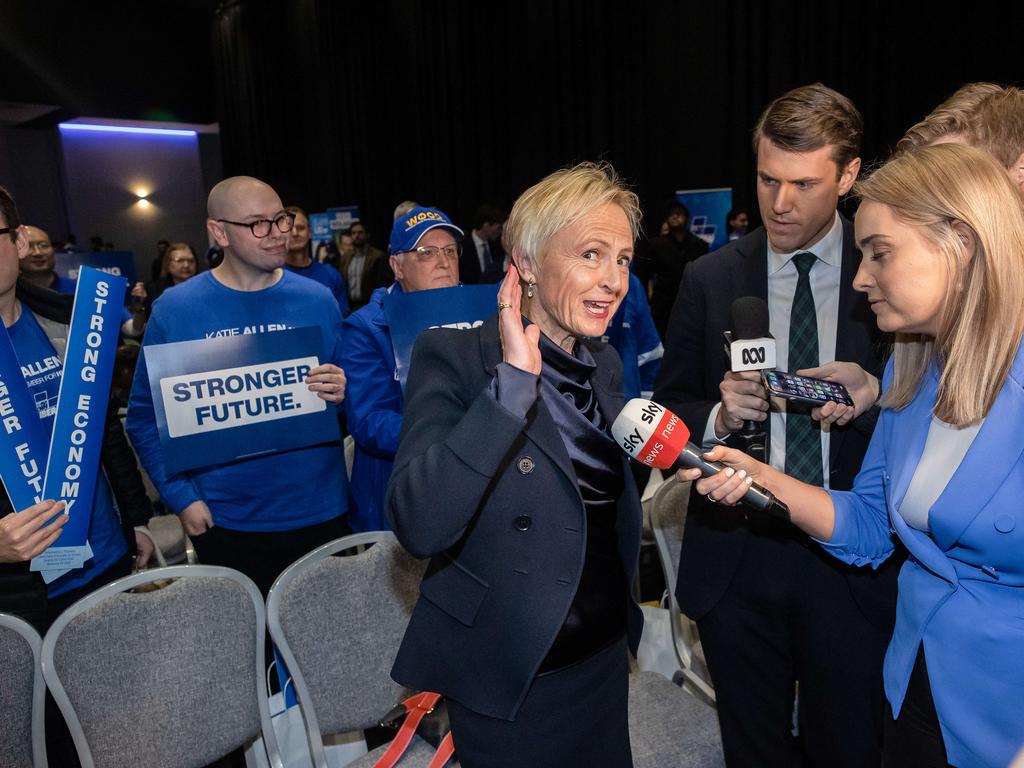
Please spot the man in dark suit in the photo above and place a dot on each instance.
(772, 609)
(363, 270)
(667, 257)
(482, 259)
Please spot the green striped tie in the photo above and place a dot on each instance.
(803, 434)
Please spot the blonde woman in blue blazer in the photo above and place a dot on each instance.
(941, 232)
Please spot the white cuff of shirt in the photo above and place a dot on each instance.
(710, 439)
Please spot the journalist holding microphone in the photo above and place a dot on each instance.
(941, 231)
(507, 477)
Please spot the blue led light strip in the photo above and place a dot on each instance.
(125, 129)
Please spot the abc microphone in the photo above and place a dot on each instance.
(656, 437)
(751, 348)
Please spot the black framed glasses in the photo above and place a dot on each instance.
(433, 252)
(261, 227)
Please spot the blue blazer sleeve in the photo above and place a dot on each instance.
(455, 437)
(862, 535)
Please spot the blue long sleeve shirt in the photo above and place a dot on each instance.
(278, 492)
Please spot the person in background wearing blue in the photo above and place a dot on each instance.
(255, 515)
(300, 260)
(37, 320)
(635, 338)
(941, 232)
(424, 254)
(38, 266)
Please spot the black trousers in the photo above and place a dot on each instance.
(571, 717)
(914, 740)
(263, 556)
(788, 618)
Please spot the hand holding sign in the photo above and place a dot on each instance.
(23, 535)
(328, 381)
(520, 346)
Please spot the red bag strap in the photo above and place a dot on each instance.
(444, 753)
(416, 707)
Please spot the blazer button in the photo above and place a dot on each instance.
(1004, 523)
(522, 523)
(525, 465)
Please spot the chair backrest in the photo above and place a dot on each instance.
(171, 677)
(22, 694)
(337, 623)
(668, 519)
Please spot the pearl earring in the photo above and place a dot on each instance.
(529, 290)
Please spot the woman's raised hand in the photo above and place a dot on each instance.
(520, 346)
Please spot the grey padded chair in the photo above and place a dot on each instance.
(172, 677)
(670, 727)
(22, 695)
(337, 623)
(668, 517)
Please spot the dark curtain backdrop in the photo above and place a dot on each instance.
(455, 103)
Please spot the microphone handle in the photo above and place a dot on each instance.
(756, 497)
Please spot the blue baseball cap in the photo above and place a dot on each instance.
(408, 229)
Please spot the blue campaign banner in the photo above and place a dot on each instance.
(320, 234)
(342, 217)
(23, 444)
(73, 464)
(118, 263)
(409, 314)
(708, 209)
(235, 397)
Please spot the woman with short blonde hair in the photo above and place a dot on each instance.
(507, 477)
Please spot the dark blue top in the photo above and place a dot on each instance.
(598, 612)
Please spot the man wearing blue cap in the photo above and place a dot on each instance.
(424, 252)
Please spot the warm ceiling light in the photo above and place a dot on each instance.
(141, 193)
(143, 203)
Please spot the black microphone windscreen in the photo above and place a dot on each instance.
(748, 318)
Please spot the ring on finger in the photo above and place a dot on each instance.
(503, 305)
(711, 498)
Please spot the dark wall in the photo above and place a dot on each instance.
(452, 103)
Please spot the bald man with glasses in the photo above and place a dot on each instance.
(260, 514)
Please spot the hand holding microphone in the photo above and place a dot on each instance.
(656, 437)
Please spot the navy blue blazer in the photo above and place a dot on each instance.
(492, 499)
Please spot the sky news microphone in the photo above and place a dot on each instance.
(656, 437)
(751, 348)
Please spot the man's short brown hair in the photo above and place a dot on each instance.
(997, 126)
(809, 118)
(952, 117)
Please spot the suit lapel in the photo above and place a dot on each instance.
(755, 283)
(540, 426)
(992, 456)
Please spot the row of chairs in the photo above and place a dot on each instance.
(175, 676)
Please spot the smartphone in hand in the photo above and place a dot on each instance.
(804, 389)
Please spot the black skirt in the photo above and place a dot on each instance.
(573, 716)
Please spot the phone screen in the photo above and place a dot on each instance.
(793, 387)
